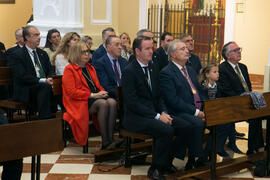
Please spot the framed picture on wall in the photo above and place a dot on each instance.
(7, 1)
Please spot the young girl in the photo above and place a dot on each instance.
(208, 78)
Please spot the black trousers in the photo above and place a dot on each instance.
(255, 134)
(41, 94)
(12, 170)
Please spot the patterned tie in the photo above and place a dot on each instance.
(117, 74)
(38, 66)
(197, 99)
(147, 76)
(243, 82)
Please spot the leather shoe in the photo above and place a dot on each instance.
(190, 164)
(235, 149)
(170, 170)
(200, 163)
(155, 174)
(238, 134)
(249, 151)
(223, 153)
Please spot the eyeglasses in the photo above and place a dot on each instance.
(236, 50)
(85, 52)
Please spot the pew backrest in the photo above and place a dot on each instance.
(233, 109)
(32, 138)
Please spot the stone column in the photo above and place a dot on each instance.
(64, 15)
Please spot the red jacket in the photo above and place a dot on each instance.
(76, 93)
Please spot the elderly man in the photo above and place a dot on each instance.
(19, 41)
(182, 94)
(32, 73)
(146, 113)
(101, 51)
(234, 80)
(161, 55)
(110, 66)
(193, 61)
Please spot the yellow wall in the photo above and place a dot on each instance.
(252, 33)
(124, 19)
(129, 17)
(12, 17)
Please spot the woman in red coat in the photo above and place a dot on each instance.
(83, 94)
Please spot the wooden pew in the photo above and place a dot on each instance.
(226, 110)
(32, 138)
(3, 62)
(6, 80)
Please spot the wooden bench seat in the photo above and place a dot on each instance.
(9, 104)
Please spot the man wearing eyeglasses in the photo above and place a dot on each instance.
(234, 80)
(193, 61)
(32, 73)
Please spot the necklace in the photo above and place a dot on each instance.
(89, 79)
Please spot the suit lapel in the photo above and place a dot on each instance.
(29, 61)
(233, 73)
(180, 76)
(141, 74)
(109, 68)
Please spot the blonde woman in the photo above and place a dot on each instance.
(60, 57)
(83, 94)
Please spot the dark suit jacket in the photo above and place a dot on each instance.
(229, 82)
(101, 51)
(161, 58)
(13, 49)
(176, 89)
(140, 103)
(24, 74)
(106, 75)
(194, 62)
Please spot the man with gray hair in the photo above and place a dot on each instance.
(101, 51)
(19, 42)
(183, 94)
(32, 73)
(234, 80)
(193, 61)
(110, 66)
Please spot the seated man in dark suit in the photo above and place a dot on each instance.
(19, 42)
(32, 73)
(110, 66)
(144, 111)
(12, 170)
(183, 94)
(161, 55)
(234, 80)
(193, 61)
(101, 51)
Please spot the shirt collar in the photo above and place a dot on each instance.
(110, 57)
(141, 64)
(29, 49)
(212, 86)
(179, 66)
(233, 65)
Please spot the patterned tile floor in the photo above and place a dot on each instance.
(72, 164)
